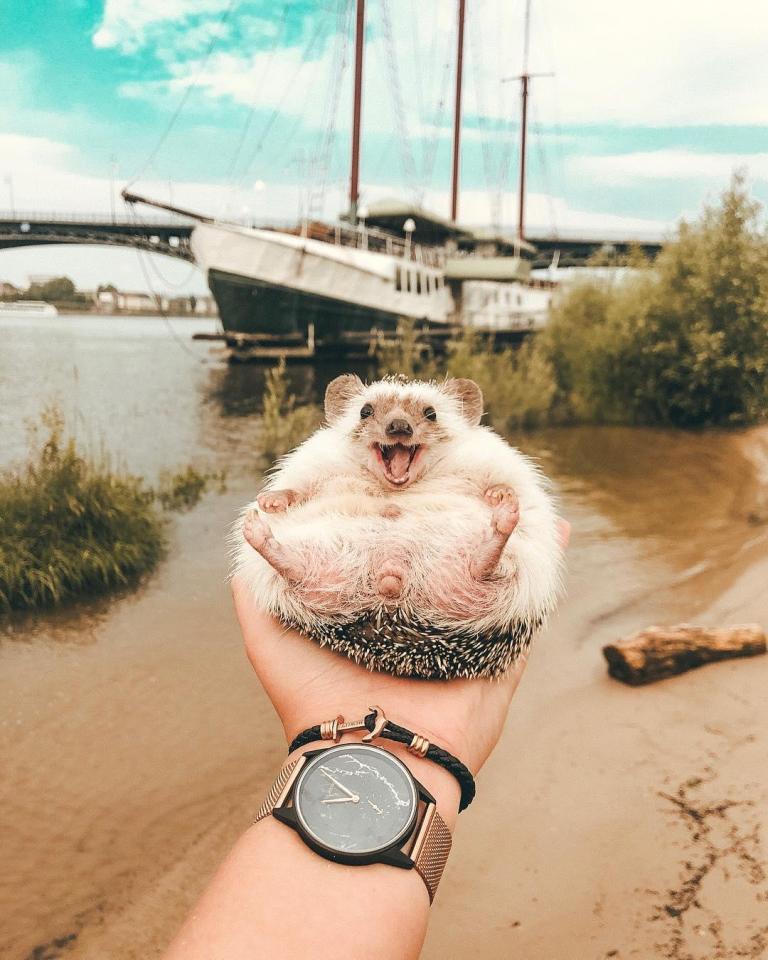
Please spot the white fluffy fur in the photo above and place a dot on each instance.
(342, 535)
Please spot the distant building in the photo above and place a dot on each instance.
(192, 304)
(110, 300)
(40, 279)
(8, 290)
(119, 301)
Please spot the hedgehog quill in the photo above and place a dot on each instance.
(406, 535)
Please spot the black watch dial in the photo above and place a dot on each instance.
(355, 799)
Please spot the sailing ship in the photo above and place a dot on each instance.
(325, 287)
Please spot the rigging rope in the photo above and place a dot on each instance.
(217, 36)
(539, 136)
(406, 151)
(277, 39)
(309, 49)
(430, 150)
(156, 297)
(339, 60)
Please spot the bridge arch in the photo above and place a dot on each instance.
(164, 236)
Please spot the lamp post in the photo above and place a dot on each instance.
(112, 178)
(362, 215)
(9, 182)
(408, 227)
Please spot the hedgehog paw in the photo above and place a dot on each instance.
(276, 501)
(255, 530)
(284, 560)
(499, 493)
(504, 518)
(503, 522)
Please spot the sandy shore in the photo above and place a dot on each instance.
(611, 822)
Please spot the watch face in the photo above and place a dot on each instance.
(355, 799)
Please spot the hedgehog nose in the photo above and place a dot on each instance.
(395, 427)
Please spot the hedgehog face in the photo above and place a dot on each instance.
(399, 426)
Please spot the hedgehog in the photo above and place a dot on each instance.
(404, 534)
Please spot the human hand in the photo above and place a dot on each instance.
(308, 683)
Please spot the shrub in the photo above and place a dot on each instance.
(69, 526)
(684, 342)
(72, 525)
(518, 384)
(182, 490)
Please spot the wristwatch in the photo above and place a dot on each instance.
(357, 803)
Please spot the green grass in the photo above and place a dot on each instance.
(73, 526)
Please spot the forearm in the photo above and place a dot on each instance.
(273, 896)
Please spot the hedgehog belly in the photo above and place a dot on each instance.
(412, 647)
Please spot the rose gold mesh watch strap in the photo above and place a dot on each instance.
(276, 789)
(430, 848)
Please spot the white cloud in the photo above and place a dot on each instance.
(656, 63)
(125, 24)
(627, 168)
(659, 63)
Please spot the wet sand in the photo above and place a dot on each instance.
(135, 744)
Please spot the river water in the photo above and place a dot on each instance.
(134, 743)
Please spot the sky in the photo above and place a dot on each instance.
(242, 108)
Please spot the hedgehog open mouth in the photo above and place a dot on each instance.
(396, 460)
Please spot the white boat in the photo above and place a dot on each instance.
(17, 309)
(324, 284)
(267, 281)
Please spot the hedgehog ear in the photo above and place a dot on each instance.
(339, 392)
(469, 395)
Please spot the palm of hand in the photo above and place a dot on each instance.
(308, 684)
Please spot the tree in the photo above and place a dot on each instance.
(58, 288)
(683, 342)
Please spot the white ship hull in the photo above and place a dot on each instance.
(267, 281)
(24, 309)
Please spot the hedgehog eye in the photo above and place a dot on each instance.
(430, 413)
(366, 411)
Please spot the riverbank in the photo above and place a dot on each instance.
(611, 822)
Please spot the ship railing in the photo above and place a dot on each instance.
(371, 238)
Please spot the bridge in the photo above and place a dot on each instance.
(170, 235)
(167, 235)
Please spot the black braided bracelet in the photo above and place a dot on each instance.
(374, 722)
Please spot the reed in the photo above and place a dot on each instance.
(283, 423)
(73, 525)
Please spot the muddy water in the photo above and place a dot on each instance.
(134, 743)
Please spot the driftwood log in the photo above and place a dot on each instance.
(660, 652)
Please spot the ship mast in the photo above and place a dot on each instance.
(525, 80)
(357, 102)
(457, 114)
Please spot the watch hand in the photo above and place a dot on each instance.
(377, 809)
(353, 799)
(339, 785)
